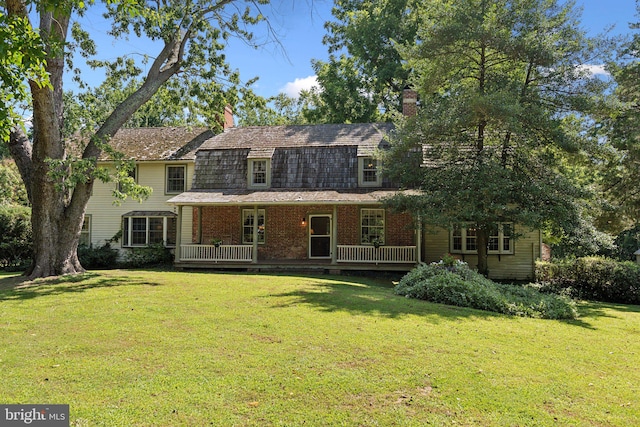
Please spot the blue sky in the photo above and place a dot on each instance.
(300, 28)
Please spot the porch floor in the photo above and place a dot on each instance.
(312, 265)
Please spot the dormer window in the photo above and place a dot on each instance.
(368, 175)
(259, 173)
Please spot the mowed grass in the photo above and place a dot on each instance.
(156, 348)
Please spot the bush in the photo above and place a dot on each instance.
(97, 257)
(149, 256)
(15, 236)
(458, 285)
(591, 278)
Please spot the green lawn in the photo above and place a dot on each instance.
(151, 348)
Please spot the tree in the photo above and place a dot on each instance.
(364, 77)
(623, 132)
(12, 191)
(253, 110)
(189, 37)
(499, 81)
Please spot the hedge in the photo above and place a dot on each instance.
(591, 278)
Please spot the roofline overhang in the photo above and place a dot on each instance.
(299, 201)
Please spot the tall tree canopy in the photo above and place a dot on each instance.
(498, 81)
(622, 171)
(189, 37)
(364, 77)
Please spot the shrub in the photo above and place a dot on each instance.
(15, 236)
(152, 255)
(458, 285)
(97, 257)
(591, 278)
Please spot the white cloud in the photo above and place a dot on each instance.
(595, 70)
(293, 89)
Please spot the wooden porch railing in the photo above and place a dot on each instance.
(371, 254)
(242, 253)
(346, 253)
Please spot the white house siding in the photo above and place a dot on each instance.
(106, 216)
(516, 266)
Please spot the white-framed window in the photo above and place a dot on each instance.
(85, 232)
(372, 226)
(259, 173)
(465, 240)
(247, 226)
(143, 229)
(368, 174)
(175, 182)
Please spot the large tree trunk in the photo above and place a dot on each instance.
(482, 240)
(58, 207)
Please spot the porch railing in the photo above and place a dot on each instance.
(346, 253)
(371, 254)
(243, 253)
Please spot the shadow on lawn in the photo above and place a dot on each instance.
(375, 297)
(19, 288)
(372, 297)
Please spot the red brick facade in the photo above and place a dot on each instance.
(286, 237)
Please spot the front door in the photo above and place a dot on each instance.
(320, 236)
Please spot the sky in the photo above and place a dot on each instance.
(299, 25)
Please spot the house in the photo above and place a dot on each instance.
(165, 162)
(310, 196)
(282, 197)
(286, 196)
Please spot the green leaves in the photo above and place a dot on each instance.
(498, 81)
(22, 59)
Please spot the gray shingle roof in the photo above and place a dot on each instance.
(264, 137)
(165, 143)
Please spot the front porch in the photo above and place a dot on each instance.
(347, 257)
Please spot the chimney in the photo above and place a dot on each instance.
(409, 102)
(228, 117)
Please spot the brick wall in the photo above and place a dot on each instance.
(285, 235)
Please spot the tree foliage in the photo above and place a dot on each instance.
(189, 38)
(498, 81)
(623, 131)
(364, 77)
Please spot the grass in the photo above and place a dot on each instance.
(156, 348)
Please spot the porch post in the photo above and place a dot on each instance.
(334, 232)
(178, 234)
(254, 255)
(200, 225)
(419, 241)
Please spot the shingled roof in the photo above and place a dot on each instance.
(162, 143)
(369, 136)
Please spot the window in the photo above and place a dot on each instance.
(465, 240)
(259, 173)
(372, 226)
(133, 174)
(147, 228)
(247, 226)
(368, 175)
(175, 179)
(85, 232)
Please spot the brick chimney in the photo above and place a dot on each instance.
(409, 102)
(228, 117)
